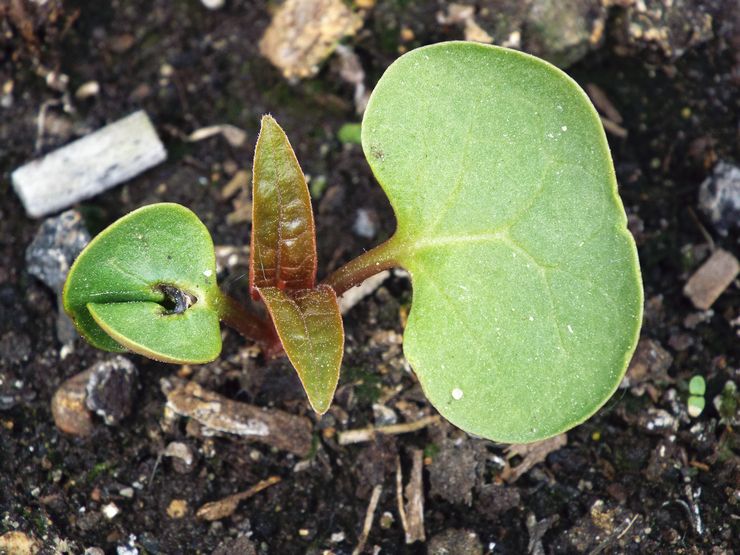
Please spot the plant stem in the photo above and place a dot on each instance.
(249, 325)
(382, 257)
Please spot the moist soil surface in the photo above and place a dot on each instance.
(641, 476)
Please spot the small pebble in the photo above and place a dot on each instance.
(364, 225)
(177, 508)
(719, 197)
(111, 388)
(111, 510)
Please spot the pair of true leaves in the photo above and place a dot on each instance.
(527, 299)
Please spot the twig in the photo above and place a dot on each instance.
(629, 525)
(415, 500)
(367, 434)
(216, 510)
(369, 517)
(399, 496)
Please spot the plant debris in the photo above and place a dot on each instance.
(218, 414)
(532, 453)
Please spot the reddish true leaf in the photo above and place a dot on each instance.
(283, 252)
(310, 327)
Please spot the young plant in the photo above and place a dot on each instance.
(527, 299)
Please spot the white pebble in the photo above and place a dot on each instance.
(110, 511)
(457, 394)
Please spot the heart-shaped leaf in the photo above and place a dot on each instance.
(527, 294)
(310, 328)
(283, 251)
(118, 289)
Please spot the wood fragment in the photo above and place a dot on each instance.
(532, 453)
(240, 182)
(369, 517)
(88, 166)
(399, 497)
(216, 413)
(234, 136)
(414, 528)
(602, 102)
(711, 279)
(367, 434)
(216, 510)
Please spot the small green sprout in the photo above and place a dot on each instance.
(527, 298)
(697, 389)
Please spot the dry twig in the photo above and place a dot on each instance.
(216, 510)
(369, 517)
(367, 434)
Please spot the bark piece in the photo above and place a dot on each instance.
(89, 166)
(216, 413)
(711, 279)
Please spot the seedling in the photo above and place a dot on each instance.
(697, 389)
(527, 299)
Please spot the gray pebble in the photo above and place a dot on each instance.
(111, 389)
(719, 197)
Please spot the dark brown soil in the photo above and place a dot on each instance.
(639, 477)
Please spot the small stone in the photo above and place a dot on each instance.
(111, 388)
(111, 510)
(719, 197)
(384, 416)
(68, 406)
(57, 243)
(241, 545)
(711, 279)
(386, 520)
(649, 363)
(87, 90)
(561, 31)
(453, 541)
(305, 32)
(177, 508)
(183, 460)
(365, 225)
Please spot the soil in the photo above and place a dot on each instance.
(641, 476)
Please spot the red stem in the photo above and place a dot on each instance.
(249, 325)
(374, 261)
